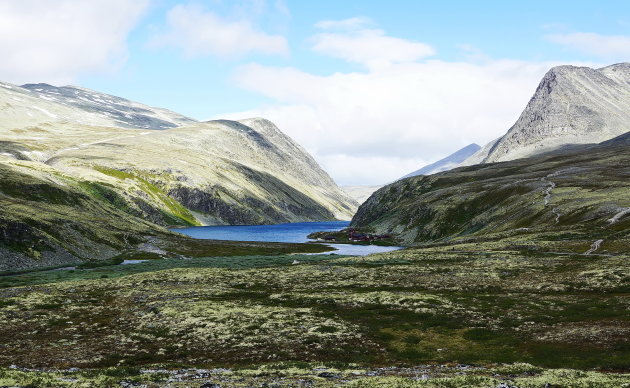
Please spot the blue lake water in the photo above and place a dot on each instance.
(289, 233)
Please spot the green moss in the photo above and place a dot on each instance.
(174, 213)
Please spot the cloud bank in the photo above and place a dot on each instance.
(54, 41)
(369, 47)
(199, 32)
(608, 47)
(374, 126)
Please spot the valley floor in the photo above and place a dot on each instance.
(474, 314)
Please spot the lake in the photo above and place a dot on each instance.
(289, 233)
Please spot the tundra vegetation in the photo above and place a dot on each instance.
(520, 310)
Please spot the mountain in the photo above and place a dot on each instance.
(360, 193)
(77, 160)
(123, 113)
(578, 193)
(449, 162)
(572, 105)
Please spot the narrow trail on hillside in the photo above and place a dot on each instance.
(85, 145)
(595, 246)
(547, 194)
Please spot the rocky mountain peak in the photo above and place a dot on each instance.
(571, 105)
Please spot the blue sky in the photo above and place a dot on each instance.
(201, 87)
(382, 86)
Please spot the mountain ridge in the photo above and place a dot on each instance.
(124, 112)
(448, 162)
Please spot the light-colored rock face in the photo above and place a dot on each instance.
(360, 193)
(216, 172)
(572, 105)
(479, 156)
(449, 162)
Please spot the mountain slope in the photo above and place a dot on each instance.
(124, 113)
(572, 105)
(217, 172)
(360, 193)
(451, 161)
(582, 191)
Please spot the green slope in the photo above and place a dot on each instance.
(578, 194)
(49, 219)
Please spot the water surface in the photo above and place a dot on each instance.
(288, 233)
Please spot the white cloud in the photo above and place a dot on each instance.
(373, 127)
(56, 40)
(369, 47)
(200, 32)
(615, 47)
(345, 24)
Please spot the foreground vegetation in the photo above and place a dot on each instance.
(473, 306)
(319, 375)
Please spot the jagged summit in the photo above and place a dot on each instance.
(571, 105)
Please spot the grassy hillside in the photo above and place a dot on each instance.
(49, 219)
(580, 194)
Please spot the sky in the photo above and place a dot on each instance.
(372, 89)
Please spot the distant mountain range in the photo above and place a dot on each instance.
(449, 162)
(360, 193)
(89, 159)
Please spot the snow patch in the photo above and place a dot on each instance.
(54, 116)
(37, 155)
